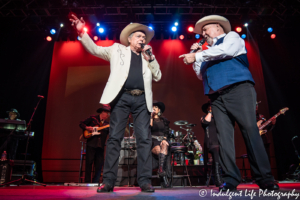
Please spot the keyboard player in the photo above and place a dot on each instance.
(10, 130)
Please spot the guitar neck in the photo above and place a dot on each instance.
(268, 122)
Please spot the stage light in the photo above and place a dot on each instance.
(53, 31)
(181, 37)
(61, 25)
(191, 29)
(48, 38)
(270, 30)
(273, 36)
(197, 36)
(176, 23)
(151, 27)
(238, 29)
(244, 36)
(78, 38)
(98, 24)
(101, 30)
(85, 29)
(95, 38)
(246, 24)
(174, 28)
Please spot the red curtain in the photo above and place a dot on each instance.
(77, 80)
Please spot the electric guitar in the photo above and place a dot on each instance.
(87, 134)
(261, 127)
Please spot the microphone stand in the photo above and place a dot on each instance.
(23, 178)
(297, 171)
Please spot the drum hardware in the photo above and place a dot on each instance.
(181, 122)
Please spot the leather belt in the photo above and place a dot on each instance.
(134, 92)
(226, 90)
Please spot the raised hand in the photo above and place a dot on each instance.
(78, 23)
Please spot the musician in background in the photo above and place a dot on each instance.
(9, 142)
(13, 114)
(260, 120)
(160, 128)
(211, 142)
(95, 144)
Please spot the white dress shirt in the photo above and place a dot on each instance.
(233, 45)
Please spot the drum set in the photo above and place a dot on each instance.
(178, 138)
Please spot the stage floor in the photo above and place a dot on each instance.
(121, 193)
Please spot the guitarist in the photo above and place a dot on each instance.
(260, 120)
(95, 144)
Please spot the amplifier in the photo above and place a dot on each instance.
(5, 171)
(30, 169)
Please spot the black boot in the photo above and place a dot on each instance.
(218, 177)
(161, 161)
(161, 172)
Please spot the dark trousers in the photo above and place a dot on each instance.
(214, 150)
(96, 156)
(121, 108)
(238, 105)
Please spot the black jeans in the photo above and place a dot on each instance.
(238, 105)
(121, 107)
(96, 156)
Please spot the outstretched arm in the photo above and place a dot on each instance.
(87, 42)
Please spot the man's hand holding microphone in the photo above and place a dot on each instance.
(191, 57)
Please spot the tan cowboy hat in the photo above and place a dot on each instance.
(133, 27)
(210, 19)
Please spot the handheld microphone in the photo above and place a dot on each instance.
(40, 96)
(200, 44)
(147, 51)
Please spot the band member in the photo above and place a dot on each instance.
(224, 70)
(129, 89)
(211, 143)
(160, 127)
(95, 144)
(9, 141)
(264, 135)
(13, 114)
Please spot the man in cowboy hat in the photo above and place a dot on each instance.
(95, 144)
(129, 89)
(13, 114)
(224, 70)
(10, 143)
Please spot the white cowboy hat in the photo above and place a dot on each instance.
(133, 27)
(210, 19)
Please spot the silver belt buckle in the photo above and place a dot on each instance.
(136, 92)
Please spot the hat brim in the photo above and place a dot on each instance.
(160, 105)
(18, 114)
(204, 107)
(133, 27)
(210, 20)
(100, 110)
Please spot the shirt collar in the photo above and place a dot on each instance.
(218, 37)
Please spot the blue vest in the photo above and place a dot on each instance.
(219, 73)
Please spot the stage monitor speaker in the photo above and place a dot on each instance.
(30, 169)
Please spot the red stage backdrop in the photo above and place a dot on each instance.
(77, 80)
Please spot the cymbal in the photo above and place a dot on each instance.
(180, 122)
(190, 125)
